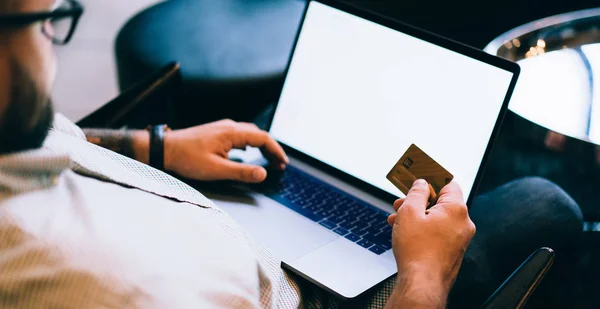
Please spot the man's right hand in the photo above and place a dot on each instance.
(201, 152)
(429, 245)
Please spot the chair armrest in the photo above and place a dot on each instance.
(140, 97)
(521, 284)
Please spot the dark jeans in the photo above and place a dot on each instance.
(512, 222)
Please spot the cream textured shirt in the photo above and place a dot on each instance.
(85, 243)
(69, 241)
(74, 241)
(84, 227)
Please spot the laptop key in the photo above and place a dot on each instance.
(302, 202)
(329, 211)
(313, 208)
(352, 237)
(348, 225)
(362, 231)
(313, 216)
(386, 245)
(328, 224)
(377, 250)
(341, 231)
(374, 220)
(387, 229)
(365, 231)
(335, 219)
(318, 217)
(371, 216)
(365, 243)
(320, 208)
(382, 218)
(362, 216)
(383, 224)
(376, 238)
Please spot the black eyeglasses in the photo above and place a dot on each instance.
(59, 25)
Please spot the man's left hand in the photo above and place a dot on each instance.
(201, 152)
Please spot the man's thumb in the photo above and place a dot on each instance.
(243, 172)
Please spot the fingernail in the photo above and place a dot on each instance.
(257, 174)
(420, 182)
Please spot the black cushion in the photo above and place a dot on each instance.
(233, 53)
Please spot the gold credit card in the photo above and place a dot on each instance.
(416, 164)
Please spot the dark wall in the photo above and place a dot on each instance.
(472, 22)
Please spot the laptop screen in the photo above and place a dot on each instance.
(358, 94)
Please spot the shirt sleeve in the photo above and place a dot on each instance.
(64, 125)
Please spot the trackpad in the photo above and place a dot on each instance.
(284, 232)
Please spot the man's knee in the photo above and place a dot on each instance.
(548, 198)
(529, 206)
(548, 208)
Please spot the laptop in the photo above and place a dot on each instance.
(359, 90)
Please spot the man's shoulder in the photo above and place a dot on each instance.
(64, 125)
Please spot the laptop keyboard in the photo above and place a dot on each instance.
(332, 208)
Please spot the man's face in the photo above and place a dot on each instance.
(27, 69)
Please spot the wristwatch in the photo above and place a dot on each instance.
(157, 146)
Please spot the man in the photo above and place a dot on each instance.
(84, 227)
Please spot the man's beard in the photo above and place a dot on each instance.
(28, 116)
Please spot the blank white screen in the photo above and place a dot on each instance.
(357, 94)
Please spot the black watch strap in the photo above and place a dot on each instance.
(157, 146)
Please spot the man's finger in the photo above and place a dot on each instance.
(398, 203)
(250, 135)
(391, 219)
(451, 200)
(416, 200)
(238, 129)
(451, 193)
(225, 169)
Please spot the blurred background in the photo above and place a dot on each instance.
(88, 71)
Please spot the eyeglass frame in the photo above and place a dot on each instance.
(24, 19)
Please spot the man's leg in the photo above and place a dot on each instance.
(512, 222)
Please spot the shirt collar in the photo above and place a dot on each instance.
(31, 170)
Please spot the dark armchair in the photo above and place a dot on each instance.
(149, 101)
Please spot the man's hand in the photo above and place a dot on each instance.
(201, 152)
(429, 245)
